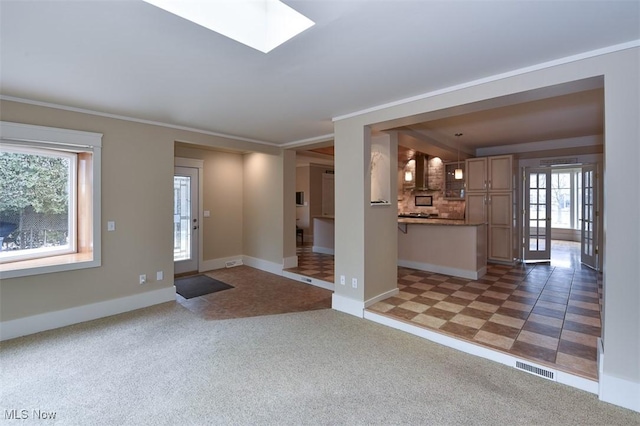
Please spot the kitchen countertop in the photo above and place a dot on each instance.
(436, 221)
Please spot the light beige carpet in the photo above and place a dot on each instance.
(166, 366)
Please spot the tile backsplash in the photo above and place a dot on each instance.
(451, 209)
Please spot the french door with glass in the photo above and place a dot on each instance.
(537, 214)
(589, 236)
(185, 219)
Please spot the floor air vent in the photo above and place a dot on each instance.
(232, 263)
(547, 374)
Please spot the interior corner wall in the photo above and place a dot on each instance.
(621, 231)
(289, 204)
(263, 198)
(222, 197)
(381, 234)
(350, 197)
(620, 378)
(137, 193)
(137, 175)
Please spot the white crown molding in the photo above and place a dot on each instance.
(308, 141)
(133, 119)
(537, 67)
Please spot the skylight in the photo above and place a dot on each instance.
(260, 24)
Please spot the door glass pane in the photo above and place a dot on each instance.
(181, 218)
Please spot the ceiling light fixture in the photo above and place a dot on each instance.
(260, 24)
(458, 174)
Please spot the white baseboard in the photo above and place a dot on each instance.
(308, 280)
(438, 269)
(50, 320)
(323, 250)
(622, 392)
(212, 264)
(346, 305)
(385, 295)
(263, 265)
(500, 357)
(290, 262)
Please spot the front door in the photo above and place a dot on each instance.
(185, 219)
(537, 214)
(589, 246)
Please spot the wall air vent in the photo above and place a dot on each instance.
(559, 161)
(232, 263)
(540, 372)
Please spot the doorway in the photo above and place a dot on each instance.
(185, 220)
(560, 205)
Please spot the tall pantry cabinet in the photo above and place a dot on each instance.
(489, 198)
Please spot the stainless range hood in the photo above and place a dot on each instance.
(422, 173)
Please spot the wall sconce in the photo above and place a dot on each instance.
(408, 176)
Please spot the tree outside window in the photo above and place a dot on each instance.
(36, 202)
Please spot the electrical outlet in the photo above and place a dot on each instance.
(159, 276)
(143, 278)
(343, 280)
(354, 282)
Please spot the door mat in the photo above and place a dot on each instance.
(199, 285)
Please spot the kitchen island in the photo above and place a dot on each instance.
(445, 246)
(323, 234)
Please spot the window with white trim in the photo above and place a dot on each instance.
(38, 202)
(49, 199)
(566, 189)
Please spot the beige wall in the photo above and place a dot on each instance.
(302, 212)
(620, 381)
(263, 201)
(288, 190)
(137, 170)
(137, 173)
(222, 193)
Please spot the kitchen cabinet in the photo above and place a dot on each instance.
(489, 198)
(500, 173)
(500, 226)
(476, 207)
(489, 173)
(453, 188)
(476, 176)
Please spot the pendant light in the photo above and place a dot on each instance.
(458, 174)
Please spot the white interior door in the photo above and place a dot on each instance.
(537, 214)
(589, 232)
(185, 219)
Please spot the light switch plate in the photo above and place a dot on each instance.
(207, 213)
(111, 226)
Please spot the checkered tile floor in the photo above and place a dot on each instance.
(315, 265)
(544, 313)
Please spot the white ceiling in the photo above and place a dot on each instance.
(129, 58)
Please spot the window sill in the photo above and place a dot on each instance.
(46, 265)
